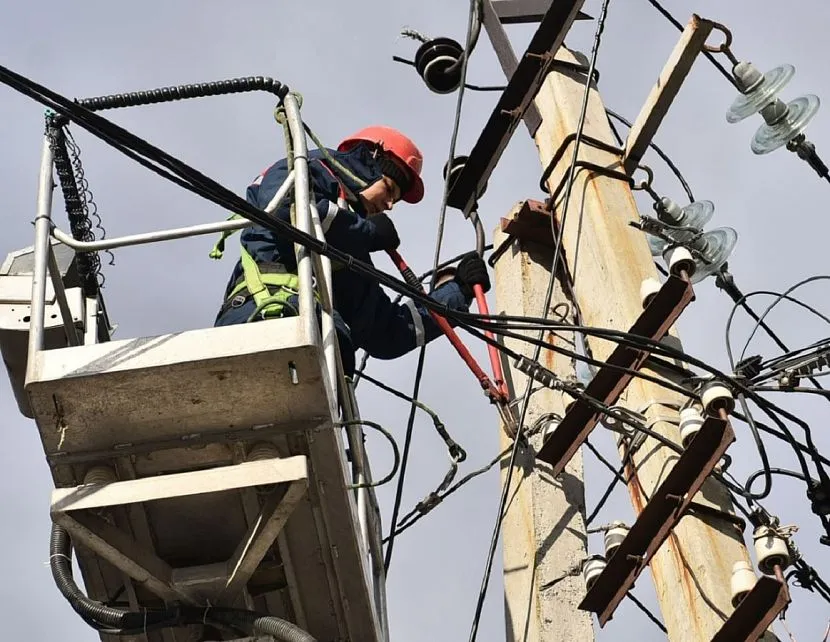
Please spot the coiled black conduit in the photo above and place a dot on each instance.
(180, 92)
(89, 263)
(116, 621)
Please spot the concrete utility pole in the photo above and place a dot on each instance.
(544, 526)
(608, 260)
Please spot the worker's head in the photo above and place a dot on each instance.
(399, 162)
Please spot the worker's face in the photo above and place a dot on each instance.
(380, 196)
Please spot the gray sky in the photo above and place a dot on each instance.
(338, 55)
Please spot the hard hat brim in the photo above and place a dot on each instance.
(416, 191)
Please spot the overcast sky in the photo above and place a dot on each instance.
(339, 56)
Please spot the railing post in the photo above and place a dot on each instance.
(40, 256)
(302, 204)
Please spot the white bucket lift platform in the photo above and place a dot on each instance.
(206, 467)
(183, 420)
(190, 386)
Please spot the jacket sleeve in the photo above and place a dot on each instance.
(388, 330)
(346, 230)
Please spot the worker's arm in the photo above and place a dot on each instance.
(387, 330)
(354, 234)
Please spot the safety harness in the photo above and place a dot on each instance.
(270, 284)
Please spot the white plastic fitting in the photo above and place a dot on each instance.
(100, 475)
(742, 582)
(614, 536)
(690, 422)
(262, 450)
(771, 550)
(716, 397)
(648, 289)
(592, 568)
(679, 259)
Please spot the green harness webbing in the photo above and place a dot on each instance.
(268, 304)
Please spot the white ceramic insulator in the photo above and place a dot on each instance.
(716, 396)
(690, 422)
(679, 260)
(771, 550)
(648, 289)
(743, 580)
(100, 475)
(592, 568)
(614, 536)
(263, 450)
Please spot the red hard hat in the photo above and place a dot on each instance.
(396, 144)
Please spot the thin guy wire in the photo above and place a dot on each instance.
(422, 353)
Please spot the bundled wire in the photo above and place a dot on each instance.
(181, 174)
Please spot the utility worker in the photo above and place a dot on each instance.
(389, 164)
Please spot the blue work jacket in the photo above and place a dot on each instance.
(384, 329)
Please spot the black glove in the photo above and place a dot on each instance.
(386, 236)
(472, 271)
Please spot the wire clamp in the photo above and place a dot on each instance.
(539, 373)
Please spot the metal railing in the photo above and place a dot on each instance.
(310, 267)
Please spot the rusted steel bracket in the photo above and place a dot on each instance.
(756, 612)
(521, 89)
(609, 382)
(657, 519)
(531, 222)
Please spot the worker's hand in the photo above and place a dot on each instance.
(386, 235)
(472, 271)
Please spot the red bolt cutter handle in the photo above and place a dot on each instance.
(493, 351)
(409, 276)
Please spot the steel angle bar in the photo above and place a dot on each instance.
(524, 11)
(756, 612)
(663, 511)
(522, 87)
(609, 382)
